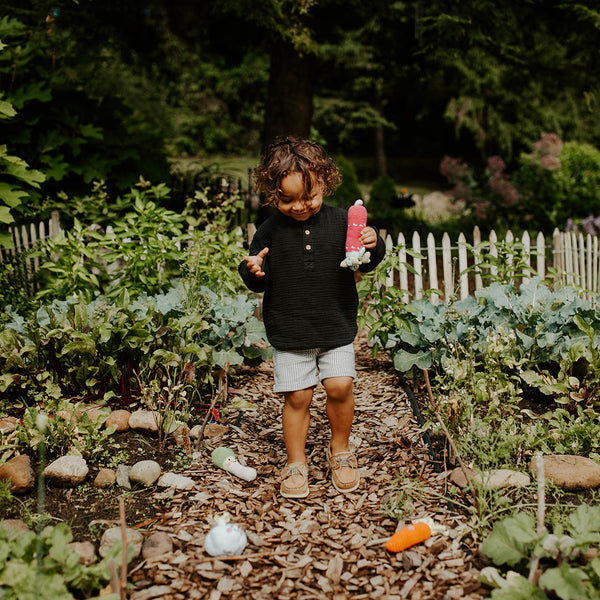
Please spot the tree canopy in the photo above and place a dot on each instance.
(111, 90)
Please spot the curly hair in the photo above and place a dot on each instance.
(294, 155)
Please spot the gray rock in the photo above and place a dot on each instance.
(145, 471)
(86, 552)
(496, 479)
(179, 482)
(122, 476)
(146, 420)
(18, 471)
(67, 471)
(157, 544)
(570, 472)
(113, 535)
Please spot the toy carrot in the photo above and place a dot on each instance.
(412, 534)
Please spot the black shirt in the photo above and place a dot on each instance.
(309, 300)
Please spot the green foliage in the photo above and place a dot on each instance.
(45, 567)
(66, 430)
(348, 191)
(560, 181)
(140, 253)
(65, 125)
(16, 178)
(16, 284)
(100, 349)
(569, 568)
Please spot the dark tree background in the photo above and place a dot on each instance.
(113, 89)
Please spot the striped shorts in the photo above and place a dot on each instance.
(300, 369)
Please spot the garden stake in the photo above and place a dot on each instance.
(124, 553)
(448, 436)
(534, 574)
(114, 576)
(222, 394)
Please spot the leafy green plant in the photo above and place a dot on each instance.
(45, 567)
(140, 253)
(62, 433)
(76, 350)
(17, 178)
(569, 566)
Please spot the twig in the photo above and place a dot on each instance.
(222, 395)
(124, 551)
(448, 436)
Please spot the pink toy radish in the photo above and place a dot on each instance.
(225, 459)
(355, 252)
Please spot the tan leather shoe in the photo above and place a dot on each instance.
(294, 481)
(344, 470)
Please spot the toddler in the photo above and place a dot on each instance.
(310, 302)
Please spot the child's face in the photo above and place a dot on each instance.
(293, 202)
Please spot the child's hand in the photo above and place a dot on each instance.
(368, 238)
(255, 263)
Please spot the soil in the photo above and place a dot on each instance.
(329, 545)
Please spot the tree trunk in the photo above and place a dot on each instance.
(289, 106)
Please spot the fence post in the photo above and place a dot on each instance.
(558, 261)
(402, 270)
(389, 276)
(447, 264)
(432, 259)
(417, 265)
(526, 256)
(493, 252)
(477, 257)
(541, 255)
(463, 265)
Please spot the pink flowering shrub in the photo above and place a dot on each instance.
(487, 197)
(554, 183)
(560, 182)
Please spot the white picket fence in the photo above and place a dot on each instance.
(456, 270)
(27, 238)
(450, 270)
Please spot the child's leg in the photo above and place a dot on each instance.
(340, 411)
(295, 421)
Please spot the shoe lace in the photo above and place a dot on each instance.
(294, 469)
(346, 459)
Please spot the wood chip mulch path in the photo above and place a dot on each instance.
(329, 545)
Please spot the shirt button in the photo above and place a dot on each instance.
(307, 232)
(308, 246)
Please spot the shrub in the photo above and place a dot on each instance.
(348, 191)
(559, 182)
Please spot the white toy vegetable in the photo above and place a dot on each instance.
(225, 459)
(225, 538)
